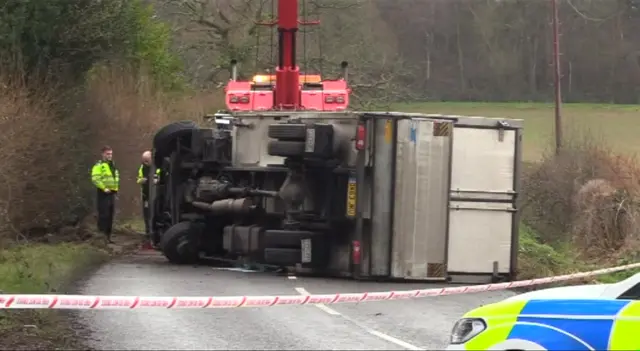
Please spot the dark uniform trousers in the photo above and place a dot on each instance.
(147, 214)
(106, 208)
(143, 173)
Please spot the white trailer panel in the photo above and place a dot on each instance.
(479, 235)
(421, 198)
(483, 162)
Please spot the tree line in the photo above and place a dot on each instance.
(477, 50)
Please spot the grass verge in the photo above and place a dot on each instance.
(40, 269)
(537, 259)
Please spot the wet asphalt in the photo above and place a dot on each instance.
(393, 325)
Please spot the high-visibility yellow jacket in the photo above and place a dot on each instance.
(103, 177)
(142, 173)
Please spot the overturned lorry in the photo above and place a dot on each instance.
(358, 194)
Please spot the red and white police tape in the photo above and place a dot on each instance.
(77, 302)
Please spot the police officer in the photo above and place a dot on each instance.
(106, 178)
(143, 181)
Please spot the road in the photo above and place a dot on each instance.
(391, 325)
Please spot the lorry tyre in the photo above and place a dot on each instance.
(179, 243)
(282, 257)
(286, 238)
(288, 131)
(163, 141)
(286, 148)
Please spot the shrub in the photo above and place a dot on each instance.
(536, 259)
(586, 195)
(38, 179)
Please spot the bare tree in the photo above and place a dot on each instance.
(213, 32)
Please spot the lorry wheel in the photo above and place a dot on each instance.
(288, 131)
(286, 148)
(179, 243)
(285, 238)
(282, 257)
(163, 141)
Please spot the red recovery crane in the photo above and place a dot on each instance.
(287, 89)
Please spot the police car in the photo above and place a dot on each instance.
(585, 317)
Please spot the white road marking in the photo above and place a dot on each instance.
(331, 311)
(389, 338)
(302, 291)
(292, 277)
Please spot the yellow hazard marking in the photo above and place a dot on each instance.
(442, 129)
(388, 131)
(624, 332)
(351, 198)
(500, 318)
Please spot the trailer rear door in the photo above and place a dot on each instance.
(484, 187)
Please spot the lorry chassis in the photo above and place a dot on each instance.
(282, 215)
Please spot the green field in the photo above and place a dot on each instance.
(616, 125)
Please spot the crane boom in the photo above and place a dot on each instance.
(287, 72)
(287, 89)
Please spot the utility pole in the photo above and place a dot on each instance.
(556, 75)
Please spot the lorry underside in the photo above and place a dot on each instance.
(288, 213)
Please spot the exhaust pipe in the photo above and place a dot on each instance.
(234, 70)
(344, 70)
(235, 206)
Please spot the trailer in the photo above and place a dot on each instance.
(289, 176)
